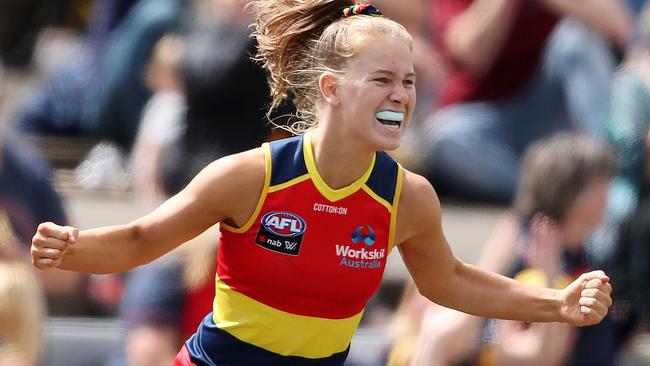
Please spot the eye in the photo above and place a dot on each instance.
(381, 80)
(409, 82)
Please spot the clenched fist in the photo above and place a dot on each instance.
(586, 300)
(50, 244)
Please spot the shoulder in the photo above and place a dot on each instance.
(239, 168)
(227, 188)
(417, 192)
(419, 208)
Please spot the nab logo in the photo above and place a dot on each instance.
(284, 224)
(367, 236)
(281, 232)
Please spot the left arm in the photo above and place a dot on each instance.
(444, 279)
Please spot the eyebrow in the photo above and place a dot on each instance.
(409, 74)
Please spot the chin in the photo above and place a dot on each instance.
(375, 140)
(388, 144)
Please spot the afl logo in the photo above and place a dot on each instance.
(284, 224)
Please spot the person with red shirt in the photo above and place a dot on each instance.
(518, 71)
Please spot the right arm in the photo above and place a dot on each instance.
(475, 37)
(448, 336)
(226, 190)
(445, 280)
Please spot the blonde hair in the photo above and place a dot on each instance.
(22, 311)
(298, 40)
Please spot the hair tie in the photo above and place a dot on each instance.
(362, 9)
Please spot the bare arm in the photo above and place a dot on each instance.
(226, 190)
(444, 279)
(448, 336)
(475, 37)
(611, 18)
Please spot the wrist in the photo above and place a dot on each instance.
(559, 310)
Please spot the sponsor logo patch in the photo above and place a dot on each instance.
(281, 232)
(364, 233)
(364, 257)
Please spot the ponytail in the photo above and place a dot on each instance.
(300, 39)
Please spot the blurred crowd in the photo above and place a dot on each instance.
(541, 107)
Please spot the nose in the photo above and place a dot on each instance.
(399, 94)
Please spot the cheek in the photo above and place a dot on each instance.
(589, 211)
(412, 98)
(588, 219)
(595, 213)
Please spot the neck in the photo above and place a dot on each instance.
(339, 161)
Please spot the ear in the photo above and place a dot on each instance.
(327, 84)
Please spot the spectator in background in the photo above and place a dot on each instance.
(226, 95)
(520, 70)
(629, 125)
(20, 342)
(628, 210)
(212, 102)
(55, 106)
(20, 23)
(433, 335)
(26, 194)
(27, 198)
(163, 120)
(636, 5)
(22, 309)
(102, 94)
(115, 102)
(560, 201)
(404, 327)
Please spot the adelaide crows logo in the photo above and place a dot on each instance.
(364, 233)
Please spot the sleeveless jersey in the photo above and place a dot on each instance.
(292, 282)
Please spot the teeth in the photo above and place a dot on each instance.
(392, 125)
(390, 116)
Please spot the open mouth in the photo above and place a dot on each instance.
(390, 118)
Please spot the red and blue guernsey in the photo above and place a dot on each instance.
(292, 283)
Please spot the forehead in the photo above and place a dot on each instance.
(382, 52)
(595, 187)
